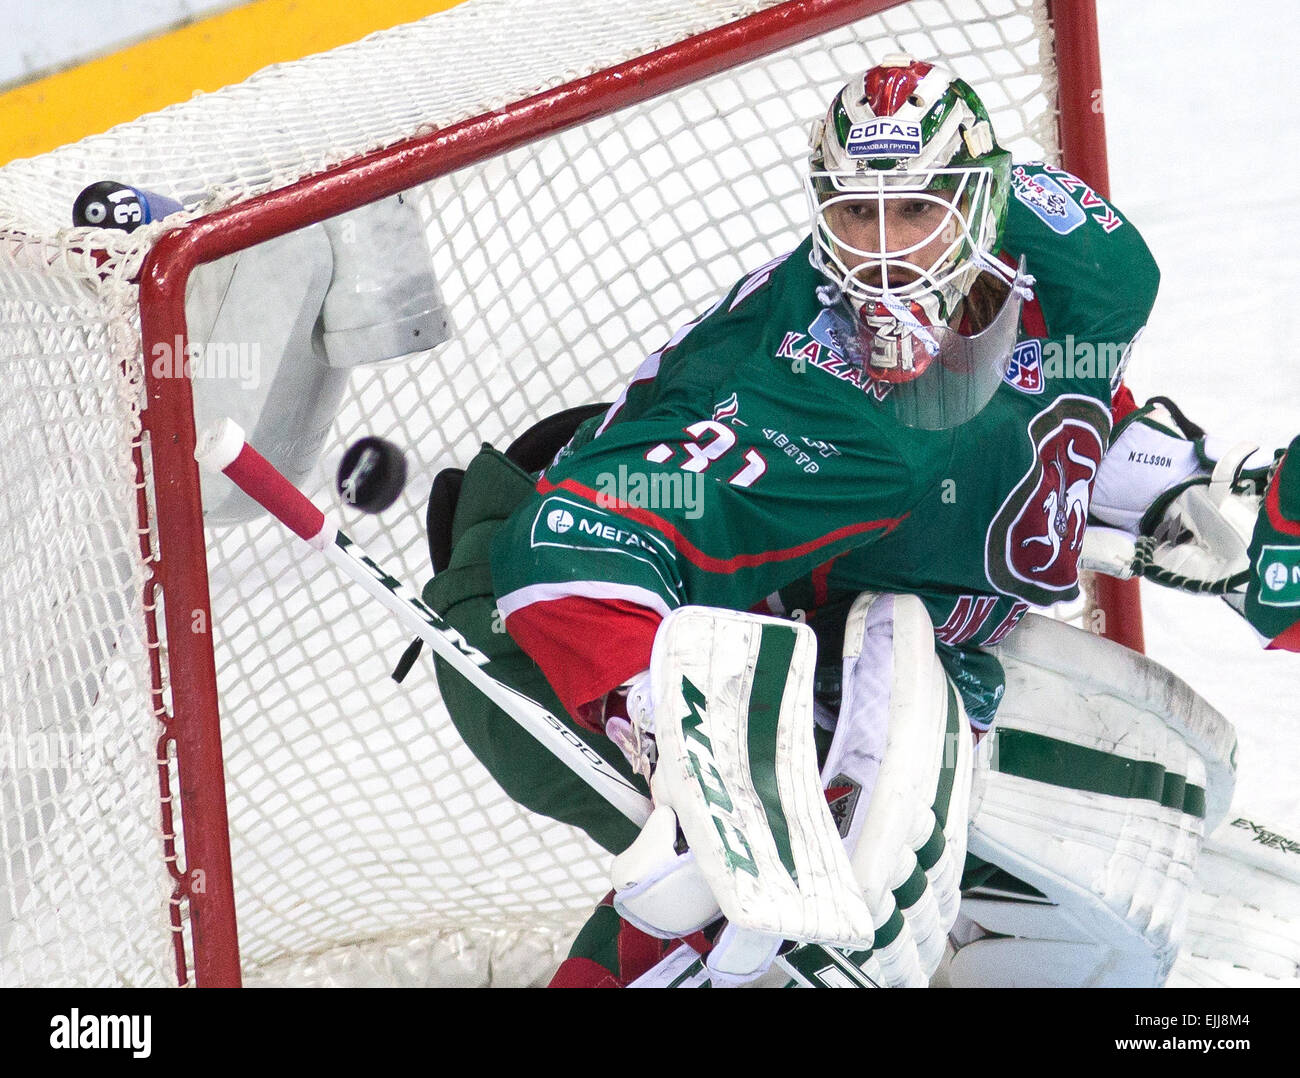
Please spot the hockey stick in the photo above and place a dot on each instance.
(223, 448)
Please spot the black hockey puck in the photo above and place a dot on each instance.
(371, 474)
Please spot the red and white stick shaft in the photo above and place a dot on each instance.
(224, 449)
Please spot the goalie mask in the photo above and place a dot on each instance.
(908, 191)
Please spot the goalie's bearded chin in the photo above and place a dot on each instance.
(586, 648)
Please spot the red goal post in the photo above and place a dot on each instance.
(198, 689)
(1083, 152)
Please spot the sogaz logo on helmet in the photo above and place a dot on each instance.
(884, 137)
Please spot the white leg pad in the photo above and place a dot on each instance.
(903, 737)
(740, 955)
(1243, 928)
(733, 711)
(1094, 788)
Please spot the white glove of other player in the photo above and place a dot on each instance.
(1174, 505)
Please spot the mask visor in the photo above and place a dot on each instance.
(962, 373)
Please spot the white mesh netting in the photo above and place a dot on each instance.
(368, 845)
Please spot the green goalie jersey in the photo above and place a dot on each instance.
(747, 466)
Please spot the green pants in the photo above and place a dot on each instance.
(462, 593)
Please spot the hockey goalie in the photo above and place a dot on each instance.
(786, 582)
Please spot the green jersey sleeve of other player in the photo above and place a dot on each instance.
(1272, 600)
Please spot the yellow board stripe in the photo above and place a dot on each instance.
(204, 55)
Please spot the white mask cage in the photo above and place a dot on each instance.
(876, 265)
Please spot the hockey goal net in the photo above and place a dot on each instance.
(588, 181)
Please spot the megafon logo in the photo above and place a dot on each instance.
(1275, 576)
(559, 520)
(1279, 572)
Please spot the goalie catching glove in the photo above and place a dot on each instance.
(1173, 505)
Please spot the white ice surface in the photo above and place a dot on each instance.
(1204, 148)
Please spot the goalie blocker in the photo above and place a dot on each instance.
(730, 710)
(869, 890)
